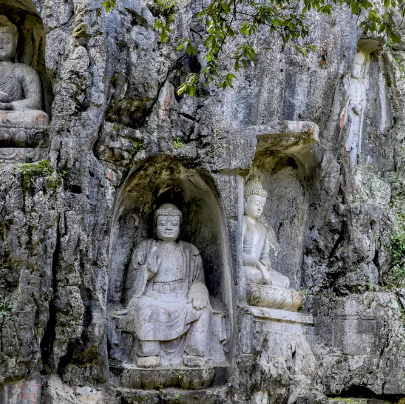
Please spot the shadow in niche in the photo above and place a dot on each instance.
(31, 41)
(153, 182)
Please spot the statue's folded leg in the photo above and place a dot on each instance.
(253, 275)
(148, 352)
(279, 280)
(197, 338)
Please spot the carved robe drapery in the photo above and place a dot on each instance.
(22, 85)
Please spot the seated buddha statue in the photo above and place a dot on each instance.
(20, 84)
(169, 306)
(265, 286)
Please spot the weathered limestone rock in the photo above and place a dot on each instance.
(122, 142)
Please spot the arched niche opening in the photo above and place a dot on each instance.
(31, 41)
(153, 182)
(284, 176)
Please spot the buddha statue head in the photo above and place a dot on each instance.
(167, 222)
(255, 198)
(357, 68)
(8, 39)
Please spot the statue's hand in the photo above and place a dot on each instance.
(265, 273)
(153, 262)
(357, 109)
(199, 303)
(198, 299)
(4, 97)
(5, 106)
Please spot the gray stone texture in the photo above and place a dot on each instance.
(121, 141)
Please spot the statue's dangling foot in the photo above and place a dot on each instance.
(194, 361)
(148, 361)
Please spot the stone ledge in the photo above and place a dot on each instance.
(263, 313)
(174, 395)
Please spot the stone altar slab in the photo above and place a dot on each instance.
(280, 328)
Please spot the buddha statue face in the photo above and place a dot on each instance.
(8, 39)
(255, 198)
(167, 222)
(356, 70)
(7, 46)
(167, 227)
(254, 206)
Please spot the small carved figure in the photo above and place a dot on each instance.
(20, 85)
(256, 245)
(356, 107)
(168, 300)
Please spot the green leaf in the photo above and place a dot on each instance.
(395, 37)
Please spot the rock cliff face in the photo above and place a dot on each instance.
(117, 124)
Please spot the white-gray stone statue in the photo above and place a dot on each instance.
(168, 300)
(265, 286)
(256, 245)
(356, 107)
(20, 84)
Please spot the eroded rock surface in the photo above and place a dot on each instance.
(122, 140)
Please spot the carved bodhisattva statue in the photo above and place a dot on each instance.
(265, 286)
(168, 301)
(20, 85)
(356, 107)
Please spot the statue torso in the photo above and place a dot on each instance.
(253, 238)
(171, 273)
(356, 91)
(9, 82)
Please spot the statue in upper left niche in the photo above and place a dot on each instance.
(20, 84)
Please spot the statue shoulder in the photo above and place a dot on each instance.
(191, 247)
(24, 70)
(144, 245)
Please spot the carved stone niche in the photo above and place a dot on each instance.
(25, 90)
(280, 173)
(142, 353)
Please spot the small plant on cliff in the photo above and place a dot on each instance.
(178, 143)
(5, 306)
(42, 168)
(137, 146)
(108, 5)
(396, 275)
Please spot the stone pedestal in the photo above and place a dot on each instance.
(23, 136)
(24, 118)
(23, 144)
(281, 329)
(276, 343)
(132, 377)
(17, 155)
